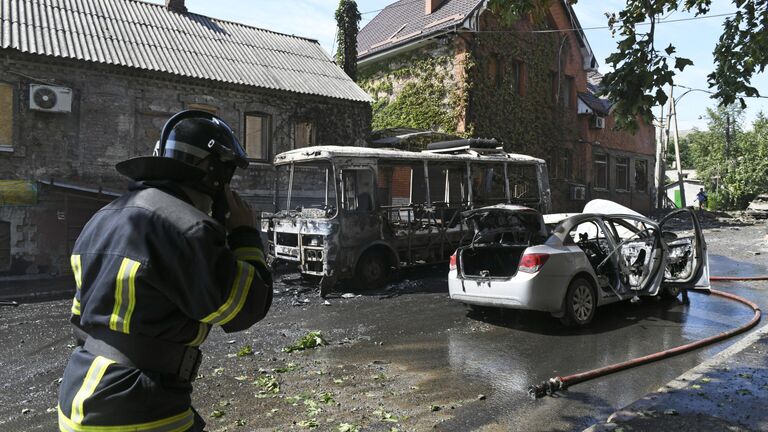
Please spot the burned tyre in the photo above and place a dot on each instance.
(580, 303)
(371, 272)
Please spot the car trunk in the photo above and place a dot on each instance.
(490, 261)
(502, 234)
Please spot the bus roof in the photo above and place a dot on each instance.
(330, 152)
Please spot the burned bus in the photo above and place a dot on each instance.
(359, 213)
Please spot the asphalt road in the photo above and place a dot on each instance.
(432, 358)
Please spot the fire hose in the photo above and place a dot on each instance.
(553, 385)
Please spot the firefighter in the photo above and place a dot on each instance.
(155, 270)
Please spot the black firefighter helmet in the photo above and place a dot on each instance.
(187, 140)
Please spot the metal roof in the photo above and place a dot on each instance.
(406, 20)
(328, 152)
(147, 36)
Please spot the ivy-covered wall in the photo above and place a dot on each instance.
(417, 89)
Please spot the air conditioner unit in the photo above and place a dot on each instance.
(50, 98)
(598, 122)
(578, 193)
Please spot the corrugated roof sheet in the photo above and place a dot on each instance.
(406, 20)
(147, 36)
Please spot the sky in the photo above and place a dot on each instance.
(694, 39)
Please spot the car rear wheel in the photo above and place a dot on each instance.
(580, 303)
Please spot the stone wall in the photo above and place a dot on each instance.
(117, 113)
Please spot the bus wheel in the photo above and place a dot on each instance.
(371, 272)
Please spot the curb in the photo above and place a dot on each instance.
(685, 379)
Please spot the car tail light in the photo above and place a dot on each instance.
(452, 262)
(531, 263)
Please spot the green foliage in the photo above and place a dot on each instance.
(733, 165)
(425, 96)
(347, 27)
(510, 11)
(267, 384)
(312, 339)
(642, 70)
(247, 350)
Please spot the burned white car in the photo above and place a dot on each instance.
(577, 263)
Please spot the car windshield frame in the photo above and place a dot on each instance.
(289, 179)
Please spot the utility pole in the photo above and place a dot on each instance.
(680, 182)
(661, 162)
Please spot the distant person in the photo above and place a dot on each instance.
(701, 197)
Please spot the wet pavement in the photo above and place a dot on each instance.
(408, 357)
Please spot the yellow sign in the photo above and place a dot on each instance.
(18, 193)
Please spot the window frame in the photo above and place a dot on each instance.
(11, 118)
(312, 134)
(618, 163)
(604, 163)
(645, 183)
(266, 136)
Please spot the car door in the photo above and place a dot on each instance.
(687, 262)
(640, 254)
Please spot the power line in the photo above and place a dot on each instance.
(603, 27)
(391, 6)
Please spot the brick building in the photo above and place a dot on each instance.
(454, 66)
(87, 83)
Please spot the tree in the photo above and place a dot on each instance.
(642, 71)
(347, 26)
(731, 162)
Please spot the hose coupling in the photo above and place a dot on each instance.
(546, 388)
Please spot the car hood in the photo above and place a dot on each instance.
(506, 218)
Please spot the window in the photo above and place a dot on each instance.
(257, 136)
(641, 175)
(358, 189)
(564, 165)
(553, 82)
(600, 168)
(516, 77)
(304, 134)
(493, 69)
(566, 91)
(6, 115)
(488, 184)
(622, 174)
(5, 245)
(523, 183)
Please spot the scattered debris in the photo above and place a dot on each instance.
(347, 427)
(290, 367)
(217, 414)
(481, 397)
(313, 339)
(326, 303)
(671, 412)
(348, 295)
(245, 351)
(267, 384)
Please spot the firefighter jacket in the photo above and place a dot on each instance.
(152, 268)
